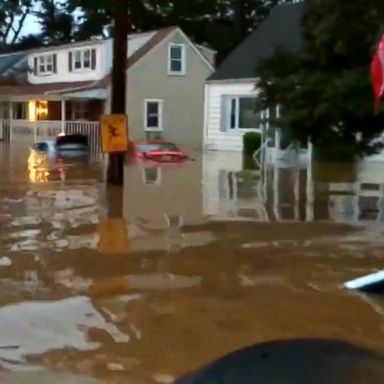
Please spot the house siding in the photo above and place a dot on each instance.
(215, 139)
(182, 96)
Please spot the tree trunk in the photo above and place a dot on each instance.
(239, 21)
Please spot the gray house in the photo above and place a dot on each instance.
(67, 88)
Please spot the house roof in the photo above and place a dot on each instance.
(281, 29)
(136, 56)
(11, 86)
(77, 44)
(12, 63)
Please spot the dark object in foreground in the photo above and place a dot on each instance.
(369, 283)
(307, 361)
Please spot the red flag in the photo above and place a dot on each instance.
(377, 74)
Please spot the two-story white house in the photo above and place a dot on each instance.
(67, 88)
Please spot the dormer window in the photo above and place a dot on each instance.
(82, 60)
(45, 65)
(176, 59)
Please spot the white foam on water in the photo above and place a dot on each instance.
(35, 328)
(5, 261)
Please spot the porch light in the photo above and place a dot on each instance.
(42, 109)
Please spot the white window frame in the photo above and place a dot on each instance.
(160, 102)
(237, 98)
(148, 181)
(82, 60)
(183, 59)
(79, 107)
(45, 61)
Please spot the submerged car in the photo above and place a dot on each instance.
(156, 152)
(63, 148)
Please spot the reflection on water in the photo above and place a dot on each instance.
(187, 263)
(292, 194)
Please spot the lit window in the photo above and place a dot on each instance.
(42, 110)
(153, 115)
(176, 59)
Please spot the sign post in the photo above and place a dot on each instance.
(119, 90)
(114, 133)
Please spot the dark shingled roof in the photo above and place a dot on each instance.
(281, 29)
(8, 62)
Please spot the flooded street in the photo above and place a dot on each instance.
(182, 266)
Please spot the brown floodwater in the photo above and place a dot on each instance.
(184, 265)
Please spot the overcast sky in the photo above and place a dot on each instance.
(31, 26)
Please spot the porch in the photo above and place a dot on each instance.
(28, 121)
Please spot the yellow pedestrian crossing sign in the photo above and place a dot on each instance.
(114, 133)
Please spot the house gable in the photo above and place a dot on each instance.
(179, 96)
(281, 29)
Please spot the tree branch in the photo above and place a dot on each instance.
(9, 28)
(21, 24)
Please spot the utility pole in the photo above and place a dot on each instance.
(239, 19)
(119, 81)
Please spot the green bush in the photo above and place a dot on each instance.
(251, 143)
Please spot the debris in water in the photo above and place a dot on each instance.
(372, 282)
(164, 379)
(35, 328)
(5, 262)
(115, 367)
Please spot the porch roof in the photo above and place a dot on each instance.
(9, 92)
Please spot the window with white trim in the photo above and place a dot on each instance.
(241, 113)
(153, 119)
(81, 59)
(79, 110)
(152, 176)
(45, 65)
(176, 59)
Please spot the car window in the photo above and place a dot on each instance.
(77, 140)
(41, 147)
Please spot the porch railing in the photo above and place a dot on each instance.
(35, 130)
(29, 132)
(5, 133)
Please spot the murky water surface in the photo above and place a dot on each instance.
(182, 266)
